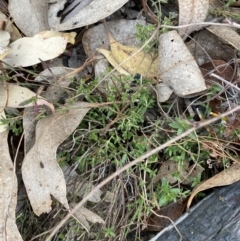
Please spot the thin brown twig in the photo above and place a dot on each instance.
(162, 216)
(149, 12)
(204, 24)
(74, 72)
(136, 161)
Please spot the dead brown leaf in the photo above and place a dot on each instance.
(185, 172)
(83, 215)
(131, 58)
(177, 68)
(220, 68)
(41, 173)
(172, 211)
(227, 34)
(206, 47)
(8, 190)
(226, 177)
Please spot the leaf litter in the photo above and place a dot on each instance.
(8, 188)
(176, 70)
(36, 170)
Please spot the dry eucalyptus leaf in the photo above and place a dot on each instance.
(59, 79)
(96, 37)
(2, 116)
(185, 172)
(109, 56)
(9, 27)
(167, 169)
(177, 68)
(4, 51)
(8, 190)
(12, 30)
(20, 97)
(206, 47)
(49, 34)
(191, 12)
(226, 177)
(81, 13)
(55, 76)
(101, 70)
(90, 216)
(130, 58)
(227, 34)
(83, 215)
(29, 124)
(32, 50)
(41, 173)
(4, 41)
(78, 187)
(3, 17)
(4, 38)
(31, 16)
(82, 220)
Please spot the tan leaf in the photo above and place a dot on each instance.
(96, 37)
(29, 124)
(79, 188)
(41, 173)
(4, 51)
(33, 12)
(90, 216)
(49, 34)
(59, 79)
(20, 97)
(2, 116)
(109, 56)
(55, 76)
(4, 41)
(133, 60)
(80, 13)
(4, 38)
(184, 172)
(227, 34)
(8, 190)
(12, 30)
(226, 177)
(32, 50)
(191, 12)
(83, 215)
(177, 68)
(166, 170)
